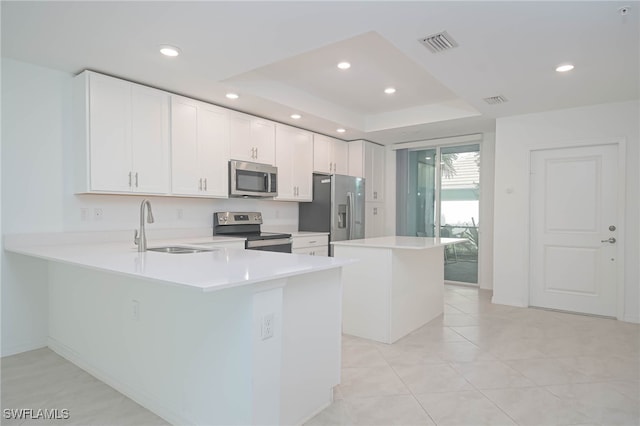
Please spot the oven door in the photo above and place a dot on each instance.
(252, 179)
(281, 245)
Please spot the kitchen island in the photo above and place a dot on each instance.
(227, 336)
(396, 286)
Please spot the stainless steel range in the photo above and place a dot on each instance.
(247, 225)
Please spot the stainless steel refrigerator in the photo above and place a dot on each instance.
(337, 208)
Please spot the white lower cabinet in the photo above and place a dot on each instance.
(374, 220)
(199, 149)
(313, 245)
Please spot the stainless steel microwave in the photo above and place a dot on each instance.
(252, 180)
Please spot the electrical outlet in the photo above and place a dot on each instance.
(97, 214)
(84, 214)
(179, 214)
(135, 310)
(268, 325)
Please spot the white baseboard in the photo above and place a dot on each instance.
(145, 400)
(24, 347)
(315, 413)
(500, 301)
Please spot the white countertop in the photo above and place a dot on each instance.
(400, 242)
(206, 271)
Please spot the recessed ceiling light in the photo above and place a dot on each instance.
(344, 65)
(340, 130)
(171, 51)
(565, 68)
(296, 116)
(232, 95)
(390, 90)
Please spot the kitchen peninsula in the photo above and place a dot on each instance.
(225, 336)
(396, 286)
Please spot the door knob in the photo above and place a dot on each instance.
(610, 240)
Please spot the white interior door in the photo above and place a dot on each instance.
(574, 209)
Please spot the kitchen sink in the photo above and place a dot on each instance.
(179, 250)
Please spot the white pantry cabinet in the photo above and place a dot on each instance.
(373, 219)
(294, 159)
(367, 160)
(251, 139)
(330, 155)
(199, 149)
(122, 136)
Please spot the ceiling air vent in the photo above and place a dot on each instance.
(439, 42)
(494, 100)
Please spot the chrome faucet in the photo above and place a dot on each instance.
(141, 240)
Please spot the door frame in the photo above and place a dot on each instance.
(620, 142)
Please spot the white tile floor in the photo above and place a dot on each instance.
(479, 364)
(485, 364)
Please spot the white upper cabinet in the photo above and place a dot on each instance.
(367, 160)
(199, 149)
(122, 136)
(251, 138)
(330, 155)
(294, 159)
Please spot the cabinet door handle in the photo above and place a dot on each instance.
(256, 153)
(375, 195)
(136, 179)
(129, 179)
(312, 242)
(200, 185)
(205, 184)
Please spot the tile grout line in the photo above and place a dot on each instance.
(408, 388)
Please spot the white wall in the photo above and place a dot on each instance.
(515, 138)
(37, 195)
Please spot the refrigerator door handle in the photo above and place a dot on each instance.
(350, 211)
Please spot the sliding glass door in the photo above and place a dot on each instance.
(438, 196)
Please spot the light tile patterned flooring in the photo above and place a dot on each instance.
(486, 364)
(479, 364)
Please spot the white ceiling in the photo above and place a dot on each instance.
(281, 57)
